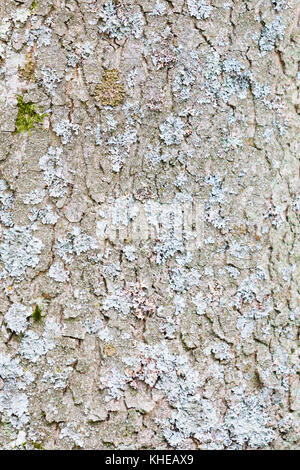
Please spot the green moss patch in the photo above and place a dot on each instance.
(27, 115)
(37, 313)
(35, 4)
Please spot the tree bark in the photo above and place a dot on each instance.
(149, 209)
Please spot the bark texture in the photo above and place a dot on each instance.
(149, 236)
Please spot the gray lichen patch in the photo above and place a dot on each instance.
(18, 251)
(16, 318)
(172, 130)
(271, 32)
(119, 22)
(199, 9)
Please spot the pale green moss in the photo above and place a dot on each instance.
(34, 6)
(27, 115)
(37, 313)
(110, 91)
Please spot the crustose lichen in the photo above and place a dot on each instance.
(110, 91)
(27, 115)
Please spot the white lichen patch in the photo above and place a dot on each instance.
(66, 129)
(16, 317)
(13, 400)
(200, 303)
(115, 382)
(20, 15)
(119, 22)
(39, 33)
(280, 4)
(199, 9)
(180, 279)
(53, 172)
(172, 130)
(58, 379)
(34, 346)
(270, 34)
(19, 250)
(167, 247)
(47, 216)
(248, 421)
(10, 368)
(58, 272)
(50, 80)
(186, 75)
(130, 252)
(73, 434)
(159, 8)
(98, 328)
(117, 301)
(76, 243)
(5, 27)
(34, 197)
(14, 405)
(119, 147)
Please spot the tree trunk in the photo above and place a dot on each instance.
(149, 209)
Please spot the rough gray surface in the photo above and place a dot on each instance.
(153, 219)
